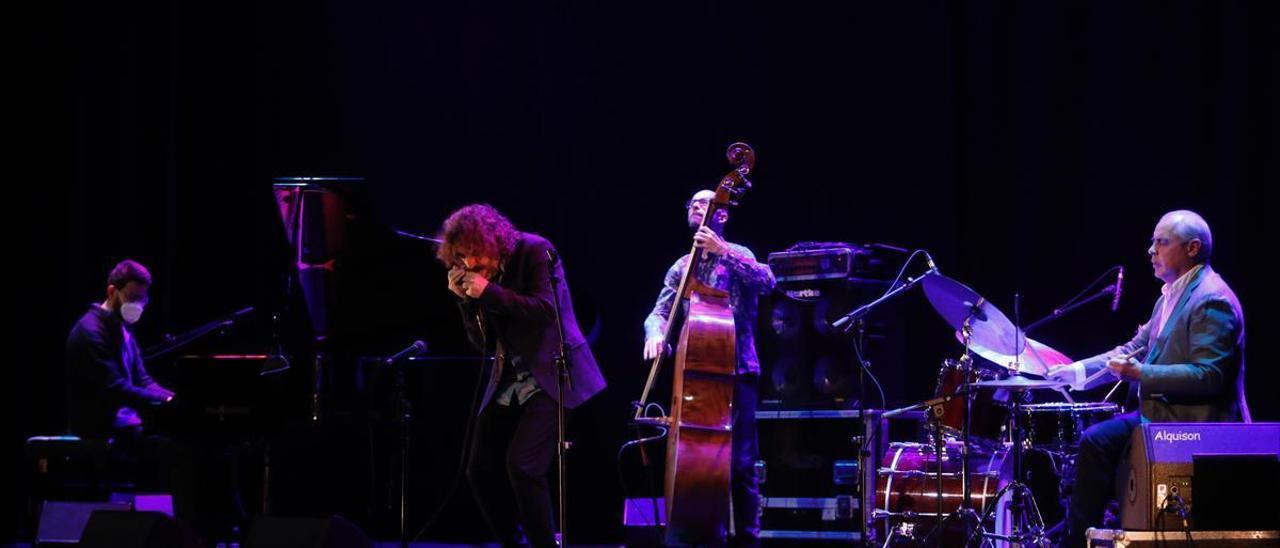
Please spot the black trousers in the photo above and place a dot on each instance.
(157, 463)
(1101, 449)
(511, 455)
(744, 484)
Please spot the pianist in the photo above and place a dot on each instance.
(107, 386)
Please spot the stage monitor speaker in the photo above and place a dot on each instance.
(116, 529)
(62, 523)
(1159, 473)
(1218, 482)
(284, 532)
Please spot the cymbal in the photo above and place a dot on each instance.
(1036, 357)
(1018, 382)
(955, 302)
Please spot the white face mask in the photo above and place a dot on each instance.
(131, 312)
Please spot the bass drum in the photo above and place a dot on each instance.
(906, 498)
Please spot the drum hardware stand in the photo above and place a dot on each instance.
(966, 511)
(933, 407)
(968, 516)
(939, 449)
(984, 330)
(1027, 528)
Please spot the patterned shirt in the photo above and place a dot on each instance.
(736, 272)
(518, 387)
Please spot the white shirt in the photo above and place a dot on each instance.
(1172, 294)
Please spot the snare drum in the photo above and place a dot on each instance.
(1059, 426)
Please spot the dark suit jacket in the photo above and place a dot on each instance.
(518, 310)
(1194, 367)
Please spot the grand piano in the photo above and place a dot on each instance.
(289, 406)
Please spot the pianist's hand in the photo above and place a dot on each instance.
(159, 395)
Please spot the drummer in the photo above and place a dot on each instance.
(1187, 363)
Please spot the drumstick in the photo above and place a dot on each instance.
(1129, 356)
(1113, 390)
(1088, 380)
(1135, 353)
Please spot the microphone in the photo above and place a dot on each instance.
(414, 349)
(1115, 301)
(929, 258)
(843, 320)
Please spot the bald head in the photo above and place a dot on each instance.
(1180, 241)
(1187, 226)
(703, 194)
(697, 207)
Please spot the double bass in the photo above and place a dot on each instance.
(700, 421)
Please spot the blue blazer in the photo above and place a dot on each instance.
(1194, 367)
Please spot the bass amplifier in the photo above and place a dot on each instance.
(810, 261)
(807, 363)
(1157, 485)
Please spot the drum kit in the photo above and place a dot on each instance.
(995, 469)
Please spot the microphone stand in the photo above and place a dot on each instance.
(563, 382)
(846, 322)
(1108, 291)
(854, 320)
(926, 404)
(404, 416)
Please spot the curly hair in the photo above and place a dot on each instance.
(477, 229)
